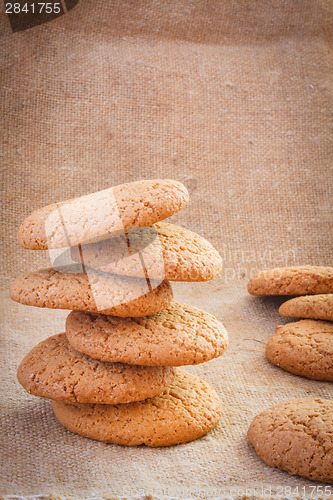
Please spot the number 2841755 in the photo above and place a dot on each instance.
(33, 8)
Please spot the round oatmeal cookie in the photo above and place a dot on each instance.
(97, 215)
(166, 251)
(309, 306)
(178, 335)
(188, 409)
(54, 370)
(304, 348)
(299, 280)
(296, 436)
(91, 291)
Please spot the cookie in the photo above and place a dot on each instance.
(178, 335)
(304, 348)
(309, 306)
(167, 252)
(296, 436)
(91, 291)
(97, 215)
(188, 409)
(54, 370)
(301, 280)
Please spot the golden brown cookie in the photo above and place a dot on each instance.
(165, 250)
(300, 280)
(178, 335)
(296, 436)
(188, 409)
(97, 215)
(304, 348)
(309, 306)
(92, 291)
(54, 370)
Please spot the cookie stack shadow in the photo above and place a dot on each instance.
(113, 375)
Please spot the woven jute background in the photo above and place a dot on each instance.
(234, 99)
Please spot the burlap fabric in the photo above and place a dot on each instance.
(234, 99)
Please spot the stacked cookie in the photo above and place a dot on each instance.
(297, 436)
(304, 347)
(112, 375)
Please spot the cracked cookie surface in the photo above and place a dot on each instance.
(178, 335)
(303, 348)
(297, 437)
(298, 280)
(188, 409)
(309, 306)
(54, 370)
(168, 251)
(95, 216)
(95, 291)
